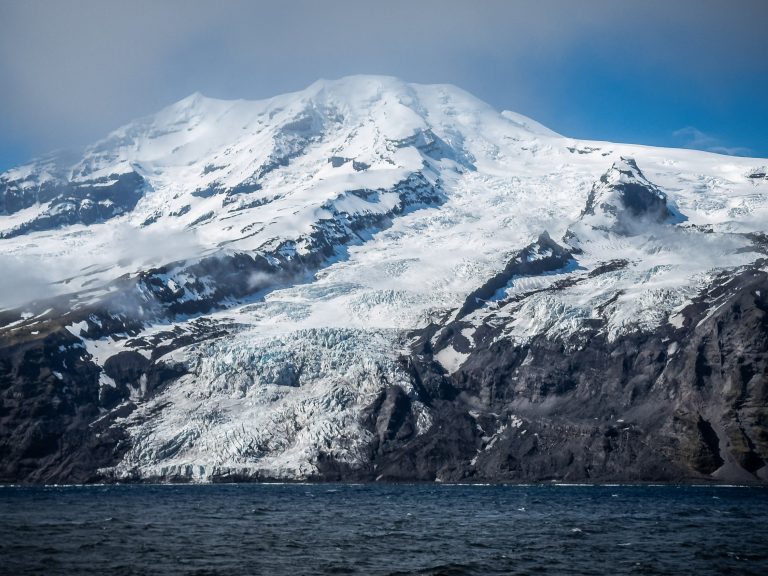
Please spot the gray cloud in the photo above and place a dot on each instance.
(74, 69)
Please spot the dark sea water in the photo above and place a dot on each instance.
(383, 529)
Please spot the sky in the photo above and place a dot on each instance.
(684, 73)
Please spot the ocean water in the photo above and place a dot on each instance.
(294, 529)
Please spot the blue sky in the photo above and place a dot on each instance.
(688, 73)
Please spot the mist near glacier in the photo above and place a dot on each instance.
(28, 276)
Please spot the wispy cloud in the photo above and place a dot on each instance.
(692, 137)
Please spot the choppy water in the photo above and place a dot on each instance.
(383, 529)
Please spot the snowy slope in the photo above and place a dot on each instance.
(390, 203)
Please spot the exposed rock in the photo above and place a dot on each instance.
(541, 257)
(623, 200)
(760, 173)
(67, 203)
(686, 403)
(49, 399)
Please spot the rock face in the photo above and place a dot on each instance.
(685, 402)
(369, 280)
(62, 203)
(49, 411)
(623, 200)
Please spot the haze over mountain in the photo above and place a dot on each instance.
(689, 73)
(372, 279)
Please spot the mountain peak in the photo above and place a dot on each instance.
(624, 200)
(194, 98)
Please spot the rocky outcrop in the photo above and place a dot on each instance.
(49, 410)
(624, 201)
(542, 257)
(685, 402)
(60, 411)
(65, 203)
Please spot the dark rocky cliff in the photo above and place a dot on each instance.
(676, 404)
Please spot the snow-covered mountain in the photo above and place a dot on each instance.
(370, 278)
